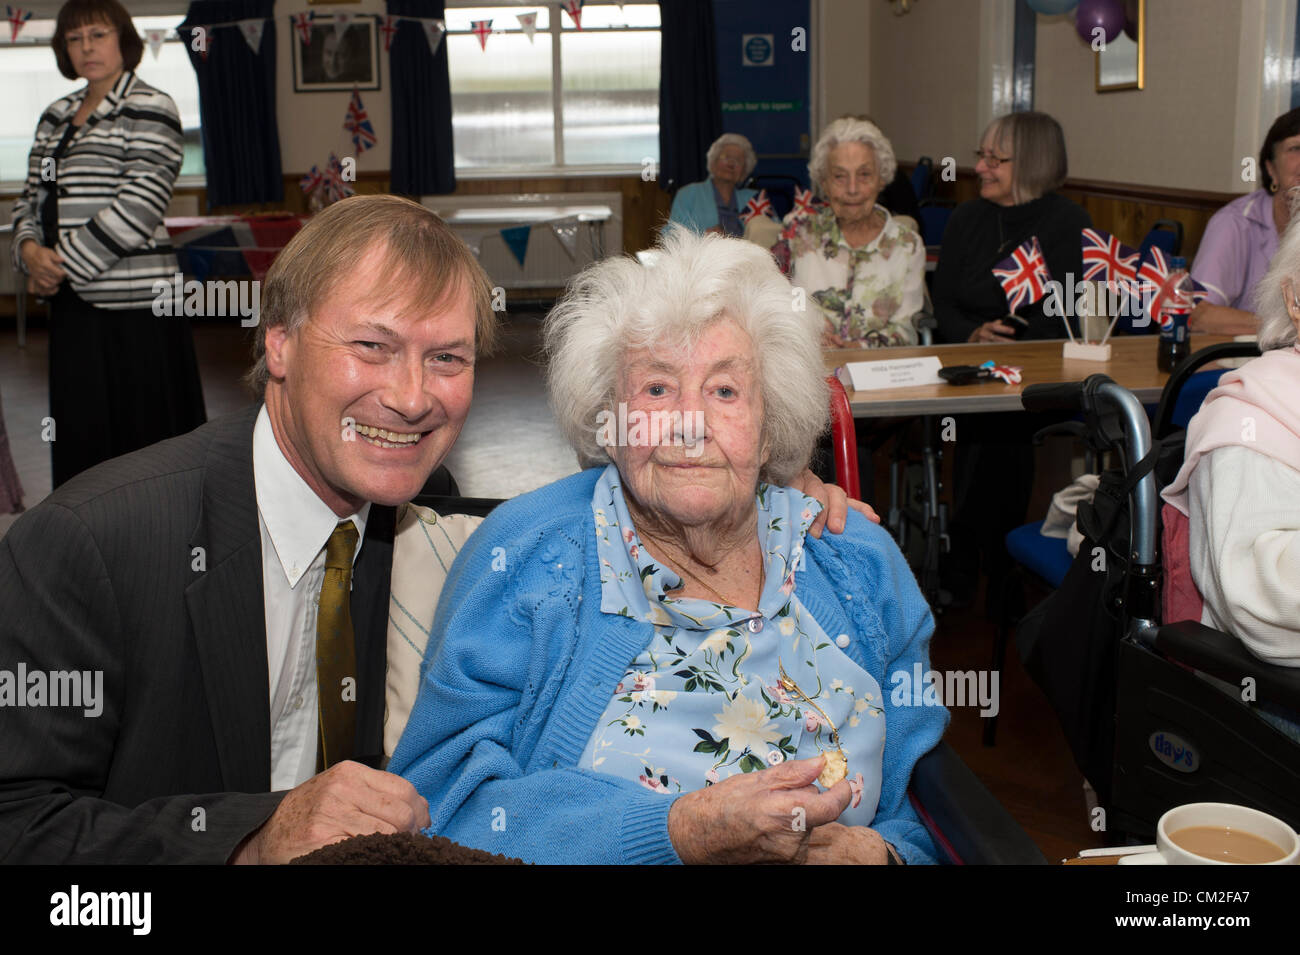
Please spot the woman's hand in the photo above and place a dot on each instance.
(835, 504)
(764, 816)
(1208, 319)
(836, 844)
(43, 265)
(994, 331)
(832, 340)
(42, 289)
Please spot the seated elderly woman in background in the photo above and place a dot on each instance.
(1233, 513)
(1242, 237)
(864, 269)
(650, 661)
(715, 204)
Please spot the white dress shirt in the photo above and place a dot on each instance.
(295, 525)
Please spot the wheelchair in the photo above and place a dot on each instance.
(1178, 737)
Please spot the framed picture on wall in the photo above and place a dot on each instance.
(337, 57)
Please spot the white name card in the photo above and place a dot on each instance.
(890, 373)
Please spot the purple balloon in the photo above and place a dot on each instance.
(1108, 15)
(1131, 19)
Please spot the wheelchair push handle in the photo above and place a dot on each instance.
(1075, 396)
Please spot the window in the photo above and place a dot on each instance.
(568, 98)
(32, 81)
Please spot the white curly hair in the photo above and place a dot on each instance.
(850, 129)
(1276, 329)
(732, 139)
(695, 280)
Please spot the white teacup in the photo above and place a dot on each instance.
(1219, 815)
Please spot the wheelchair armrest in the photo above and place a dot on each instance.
(966, 822)
(1224, 656)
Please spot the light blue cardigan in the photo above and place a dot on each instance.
(527, 662)
(695, 207)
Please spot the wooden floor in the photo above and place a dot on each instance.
(511, 445)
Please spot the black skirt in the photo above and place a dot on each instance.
(119, 380)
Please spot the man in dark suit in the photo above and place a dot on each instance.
(192, 636)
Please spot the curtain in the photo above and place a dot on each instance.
(690, 110)
(423, 160)
(241, 141)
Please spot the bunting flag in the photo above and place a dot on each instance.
(517, 240)
(433, 31)
(804, 203)
(528, 21)
(481, 29)
(311, 181)
(155, 40)
(302, 23)
(17, 18)
(566, 231)
(1024, 275)
(358, 124)
(342, 20)
(574, 9)
(760, 205)
(389, 29)
(252, 31)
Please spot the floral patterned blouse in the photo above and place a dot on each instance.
(704, 700)
(869, 295)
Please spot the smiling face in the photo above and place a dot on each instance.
(711, 484)
(404, 378)
(1285, 164)
(94, 51)
(852, 182)
(729, 167)
(996, 185)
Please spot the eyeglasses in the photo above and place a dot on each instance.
(991, 159)
(95, 37)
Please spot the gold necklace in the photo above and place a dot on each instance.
(837, 764)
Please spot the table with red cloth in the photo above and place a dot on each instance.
(231, 246)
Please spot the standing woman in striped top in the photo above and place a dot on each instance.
(88, 230)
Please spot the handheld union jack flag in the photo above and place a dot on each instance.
(1158, 282)
(1107, 259)
(302, 23)
(358, 124)
(1024, 275)
(311, 181)
(336, 187)
(389, 29)
(760, 205)
(804, 203)
(16, 17)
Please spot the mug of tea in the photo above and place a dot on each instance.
(1220, 833)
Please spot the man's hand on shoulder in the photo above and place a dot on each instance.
(346, 800)
(835, 504)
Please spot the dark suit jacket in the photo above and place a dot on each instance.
(106, 575)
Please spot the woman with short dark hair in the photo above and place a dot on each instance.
(1242, 237)
(88, 232)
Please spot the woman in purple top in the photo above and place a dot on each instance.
(1241, 238)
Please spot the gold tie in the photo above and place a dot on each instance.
(336, 655)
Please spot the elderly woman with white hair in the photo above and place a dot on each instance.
(715, 204)
(1232, 518)
(864, 269)
(651, 661)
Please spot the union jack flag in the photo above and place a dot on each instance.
(1024, 275)
(336, 187)
(804, 203)
(760, 205)
(311, 181)
(574, 9)
(1107, 259)
(1157, 281)
(481, 29)
(302, 23)
(389, 29)
(16, 16)
(358, 124)
(1002, 372)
